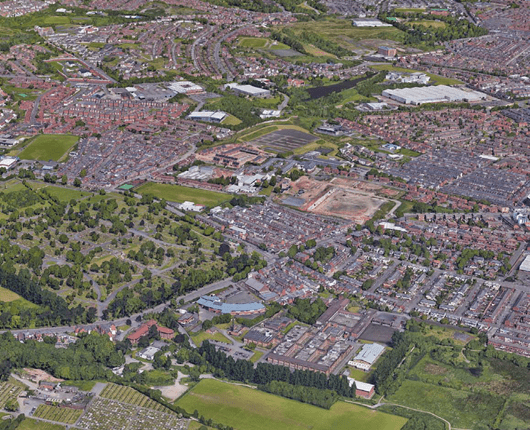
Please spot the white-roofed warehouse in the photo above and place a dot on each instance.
(367, 356)
(208, 116)
(433, 94)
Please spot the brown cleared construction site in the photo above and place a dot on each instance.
(349, 199)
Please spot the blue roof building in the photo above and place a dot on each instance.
(213, 303)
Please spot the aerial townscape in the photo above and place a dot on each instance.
(264, 215)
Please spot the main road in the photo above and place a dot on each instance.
(208, 289)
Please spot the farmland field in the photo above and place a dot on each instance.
(177, 193)
(247, 409)
(48, 147)
(55, 413)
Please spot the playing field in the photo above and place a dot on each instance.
(253, 42)
(247, 409)
(48, 147)
(179, 194)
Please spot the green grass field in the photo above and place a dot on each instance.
(413, 10)
(257, 355)
(48, 147)
(8, 295)
(316, 145)
(253, 42)
(82, 385)
(439, 80)
(247, 409)
(66, 194)
(231, 120)
(31, 424)
(201, 337)
(428, 23)
(461, 408)
(177, 193)
(344, 33)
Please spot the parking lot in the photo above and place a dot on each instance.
(284, 140)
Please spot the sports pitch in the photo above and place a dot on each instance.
(247, 409)
(284, 140)
(180, 194)
(48, 147)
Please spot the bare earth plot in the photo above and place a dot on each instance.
(344, 198)
(347, 204)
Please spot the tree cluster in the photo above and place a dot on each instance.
(265, 373)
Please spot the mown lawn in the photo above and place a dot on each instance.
(198, 339)
(179, 194)
(48, 147)
(66, 194)
(31, 424)
(247, 409)
(252, 42)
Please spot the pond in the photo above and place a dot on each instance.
(324, 91)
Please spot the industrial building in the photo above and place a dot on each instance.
(433, 94)
(8, 140)
(525, 265)
(248, 90)
(362, 389)
(387, 51)
(148, 353)
(186, 87)
(408, 78)
(8, 162)
(208, 116)
(369, 22)
(369, 354)
(190, 206)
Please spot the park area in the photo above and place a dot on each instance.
(469, 390)
(342, 32)
(48, 147)
(180, 194)
(246, 409)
